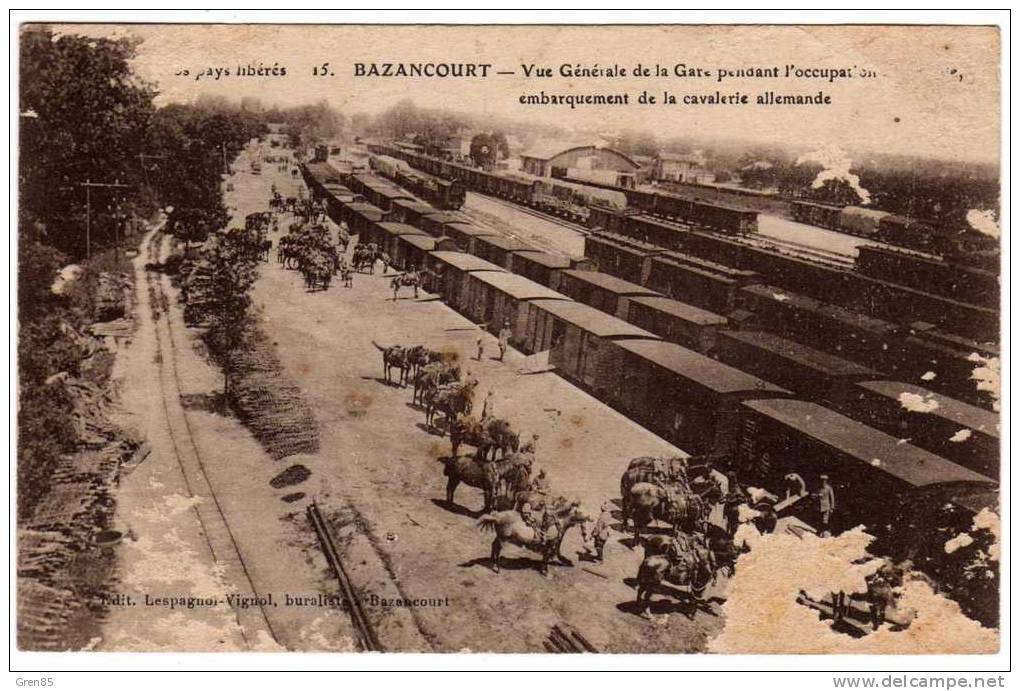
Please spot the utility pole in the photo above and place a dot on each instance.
(88, 185)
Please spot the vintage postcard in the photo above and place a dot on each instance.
(508, 339)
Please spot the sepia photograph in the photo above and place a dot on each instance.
(508, 338)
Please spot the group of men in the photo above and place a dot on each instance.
(766, 519)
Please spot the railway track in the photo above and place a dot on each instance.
(570, 225)
(800, 250)
(367, 636)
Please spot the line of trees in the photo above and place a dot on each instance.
(85, 116)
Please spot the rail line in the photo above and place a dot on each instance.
(366, 632)
(213, 521)
(570, 225)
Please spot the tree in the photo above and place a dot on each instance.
(84, 117)
(226, 272)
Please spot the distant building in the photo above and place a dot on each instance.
(681, 168)
(557, 159)
(251, 103)
(458, 146)
(276, 136)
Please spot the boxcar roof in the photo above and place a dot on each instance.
(464, 261)
(680, 310)
(447, 217)
(592, 320)
(366, 210)
(400, 228)
(699, 368)
(517, 286)
(503, 242)
(414, 205)
(469, 228)
(798, 301)
(610, 283)
(425, 242)
(548, 259)
(963, 414)
(906, 462)
(826, 363)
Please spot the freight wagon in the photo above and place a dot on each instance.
(854, 335)
(688, 282)
(495, 298)
(870, 471)
(599, 290)
(497, 249)
(437, 223)
(619, 255)
(413, 250)
(685, 397)
(361, 217)
(955, 430)
(385, 235)
(409, 211)
(539, 266)
(677, 322)
(815, 214)
(811, 373)
(448, 274)
(581, 341)
(963, 283)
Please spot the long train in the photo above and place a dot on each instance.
(762, 409)
(573, 198)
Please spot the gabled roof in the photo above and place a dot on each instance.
(516, 286)
(593, 321)
(699, 368)
(547, 259)
(879, 450)
(503, 242)
(827, 364)
(610, 283)
(423, 242)
(464, 261)
(399, 229)
(681, 310)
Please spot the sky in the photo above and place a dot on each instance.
(935, 91)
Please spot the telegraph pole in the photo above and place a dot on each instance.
(88, 185)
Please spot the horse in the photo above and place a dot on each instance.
(655, 471)
(510, 527)
(431, 376)
(458, 469)
(687, 563)
(679, 507)
(394, 357)
(470, 430)
(501, 437)
(407, 279)
(452, 400)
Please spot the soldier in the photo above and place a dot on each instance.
(532, 520)
(487, 405)
(735, 496)
(826, 504)
(480, 343)
(504, 339)
(600, 534)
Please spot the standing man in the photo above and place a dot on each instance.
(734, 497)
(826, 504)
(601, 532)
(481, 346)
(487, 405)
(504, 339)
